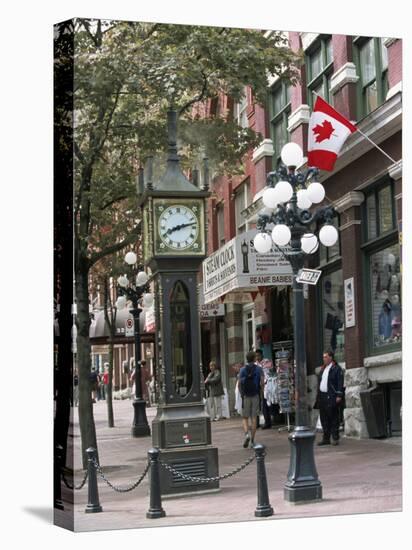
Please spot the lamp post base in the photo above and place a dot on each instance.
(140, 427)
(303, 484)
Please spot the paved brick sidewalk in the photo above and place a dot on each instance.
(358, 476)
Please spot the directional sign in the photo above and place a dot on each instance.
(308, 276)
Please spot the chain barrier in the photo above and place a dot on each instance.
(69, 486)
(121, 489)
(207, 479)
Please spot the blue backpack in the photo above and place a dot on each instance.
(250, 380)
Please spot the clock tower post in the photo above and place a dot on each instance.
(174, 245)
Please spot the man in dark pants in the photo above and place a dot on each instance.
(330, 393)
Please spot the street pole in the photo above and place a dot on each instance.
(287, 205)
(302, 482)
(136, 293)
(140, 425)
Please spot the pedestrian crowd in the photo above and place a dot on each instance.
(256, 393)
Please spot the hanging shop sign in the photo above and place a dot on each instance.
(237, 265)
(149, 320)
(212, 310)
(349, 289)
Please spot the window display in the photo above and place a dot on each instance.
(333, 314)
(386, 296)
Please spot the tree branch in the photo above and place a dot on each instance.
(131, 237)
(198, 97)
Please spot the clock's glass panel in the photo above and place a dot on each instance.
(181, 345)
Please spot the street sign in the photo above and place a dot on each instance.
(129, 326)
(309, 276)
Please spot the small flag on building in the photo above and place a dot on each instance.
(328, 131)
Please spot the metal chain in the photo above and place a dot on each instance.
(207, 479)
(121, 489)
(74, 486)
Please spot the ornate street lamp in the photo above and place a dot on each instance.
(139, 295)
(287, 203)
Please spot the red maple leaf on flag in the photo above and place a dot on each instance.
(323, 131)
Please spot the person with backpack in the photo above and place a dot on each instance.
(251, 383)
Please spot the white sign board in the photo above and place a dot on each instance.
(211, 310)
(237, 265)
(349, 288)
(129, 326)
(308, 276)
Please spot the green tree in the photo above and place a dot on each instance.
(126, 76)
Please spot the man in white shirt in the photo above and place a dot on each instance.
(330, 394)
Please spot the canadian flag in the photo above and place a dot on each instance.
(328, 131)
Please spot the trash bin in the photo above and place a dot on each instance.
(373, 405)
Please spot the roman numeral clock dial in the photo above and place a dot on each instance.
(178, 228)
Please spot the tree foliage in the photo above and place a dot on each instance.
(126, 76)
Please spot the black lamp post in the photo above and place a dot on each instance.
(139, 295)
(287, 205)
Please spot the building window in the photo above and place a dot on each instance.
(240, 110)
(371, 58)
(279, 111)
(242, 201)
(220, 222)
(379, 211)
(385, 296)
(383, 269)
(319, 65)
(249, 328)
(333, 316)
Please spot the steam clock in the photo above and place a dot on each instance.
(174, 243)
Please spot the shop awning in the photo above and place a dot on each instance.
(237, 267)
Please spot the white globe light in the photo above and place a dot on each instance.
(328, 235)
(395, 299)
(270, 198)
(316, 192)
(309, 243)
(123, 281)
(130, 258)
(304, 201)
(262, 243)
(391, 259)
(281, 235)
(291, 154)
(147, 300)
(121, 302)
(284, 191)
(141, 278)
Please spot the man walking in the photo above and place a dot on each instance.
(251, 390)
(330, 393)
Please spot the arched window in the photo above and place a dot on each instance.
(182, 378)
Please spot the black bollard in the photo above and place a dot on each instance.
(93, 505)
(155, 510)
(57, 467)
(263, 508)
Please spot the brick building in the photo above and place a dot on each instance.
(362, 78)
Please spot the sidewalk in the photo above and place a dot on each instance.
(358, 476)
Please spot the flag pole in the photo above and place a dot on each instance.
(362, 134)
(377, 146)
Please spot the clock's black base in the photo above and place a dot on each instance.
(196, 462)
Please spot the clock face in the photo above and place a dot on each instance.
(178, 227)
